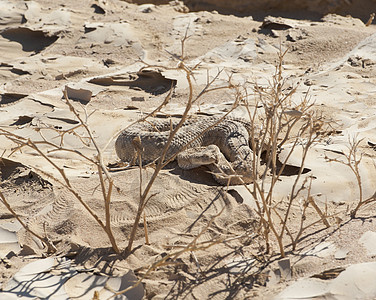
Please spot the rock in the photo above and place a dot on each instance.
(146, 8)
(296, 34)
(275, 33)
(273, 23)
(360, 8)
(138, 98)
(340, 20)
(179, 6)
(341, 253)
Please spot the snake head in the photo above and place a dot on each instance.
(244, 169)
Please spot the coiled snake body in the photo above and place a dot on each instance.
(222, 144)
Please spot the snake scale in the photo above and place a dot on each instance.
(222, 144)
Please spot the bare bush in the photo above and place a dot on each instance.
(281, 123)
(352, 159)
(276, 123)
(43, 147)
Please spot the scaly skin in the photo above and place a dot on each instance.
(230, 136)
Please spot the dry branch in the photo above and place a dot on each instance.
(50, 247)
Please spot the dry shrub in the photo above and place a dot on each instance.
(352, 159)
(276, 122)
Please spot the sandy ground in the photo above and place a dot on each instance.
(96, 50)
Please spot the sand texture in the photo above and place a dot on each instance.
(117, 62)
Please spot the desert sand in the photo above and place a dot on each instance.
(118, 62)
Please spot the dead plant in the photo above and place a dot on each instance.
(280, 124)
(106, 182)
(353, 160)
(162, 161)
(44, 146)
(50, 246)
(277, 122)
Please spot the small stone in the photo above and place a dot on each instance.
(275, 33)
(341, 253)
(146, 8)
(26, 250)
(138, 98)
(179, 6)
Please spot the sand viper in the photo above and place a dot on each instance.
(222, 144)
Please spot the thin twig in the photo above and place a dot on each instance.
(50, 247)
